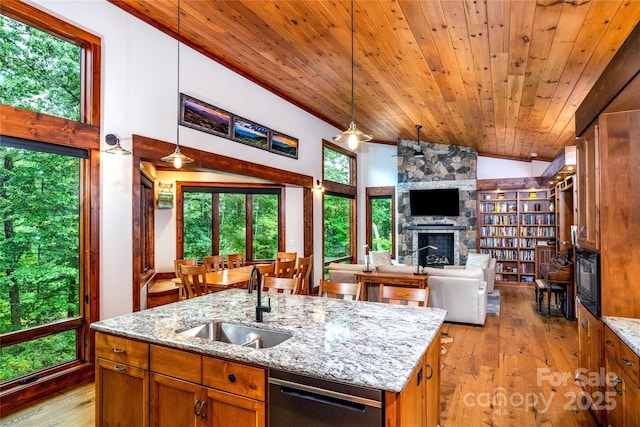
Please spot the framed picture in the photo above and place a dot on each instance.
(204, 117)
(250, 133)
(284, 144)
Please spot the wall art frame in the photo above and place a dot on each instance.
(284, 144)
(205, 117)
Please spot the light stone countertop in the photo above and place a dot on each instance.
(361, 343)
(628, 329)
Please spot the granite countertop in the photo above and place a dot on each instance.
(361, 343)
(628, 329)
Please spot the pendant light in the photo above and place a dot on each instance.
(352, 136)
(417, 152)
(177, 158)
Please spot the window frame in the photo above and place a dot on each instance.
(246, 188)
(84, 134)
(342, 190)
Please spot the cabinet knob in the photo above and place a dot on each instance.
(627, 361)
(430, 374)
(616, 383)
(583, 230)
(232, 378)
(585, 323)
(609, 343)
(119, 350)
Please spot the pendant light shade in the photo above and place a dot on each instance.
(352, 136)
(177, 158)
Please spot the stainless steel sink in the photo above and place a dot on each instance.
(231, 333)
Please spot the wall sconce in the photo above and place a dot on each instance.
(319, 187)
(114, 141)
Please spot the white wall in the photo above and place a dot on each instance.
(140, 95)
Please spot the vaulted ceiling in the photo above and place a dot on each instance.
(504, 77)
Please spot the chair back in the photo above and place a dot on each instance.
(286, 256)
(285, 268)
(213, 263)
(266, 269)
(235, 260)
(340, 290)
(280, 285)
(402, 295)
(178, 262)
(303, 272)
(194, 280)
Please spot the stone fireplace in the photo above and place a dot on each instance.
(443, 166)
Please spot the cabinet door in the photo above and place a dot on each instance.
(588, 181)
(590, 355)
(225, 409)
(122, 394)
(176, 403)
(432, 396)
(615, 393)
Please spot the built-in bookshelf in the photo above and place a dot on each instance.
(511, 225)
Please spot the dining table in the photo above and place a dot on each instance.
(228, 278)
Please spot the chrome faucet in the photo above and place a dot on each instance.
(260, 309)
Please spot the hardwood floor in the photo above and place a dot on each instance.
(517, 370)
(516, 358)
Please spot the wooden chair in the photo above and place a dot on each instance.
(340, 290)
(176, 269)
(281, 285)
(286, 256)
(213, 263)
(194, 280)
(266, 269)
(284, 269)
(303, 272)
(399, 295)
(235, 260)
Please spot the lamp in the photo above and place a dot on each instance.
(114, 141)
(418, 152)
(319, 187)
(418, 273)
(352, 136)
(177, 158)
(366, 259)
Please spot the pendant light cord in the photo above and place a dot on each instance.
(178, 85)
(353, 104)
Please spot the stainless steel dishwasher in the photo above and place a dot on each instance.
(296, 400)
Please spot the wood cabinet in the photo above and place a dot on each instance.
(623, 379)
(511, 225)
(588, 187)
(590, 358)
(205, 391)
(122, 381)
(419, 403)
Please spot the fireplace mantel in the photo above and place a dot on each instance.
(436, 227)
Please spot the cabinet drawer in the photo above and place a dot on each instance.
(612, 343)
(122, 350)
(234, 377)
(629, 362)
(176, 363)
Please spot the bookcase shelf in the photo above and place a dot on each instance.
(511, 225)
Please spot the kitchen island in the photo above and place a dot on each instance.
(362, 344)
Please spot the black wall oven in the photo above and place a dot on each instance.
(588, 280)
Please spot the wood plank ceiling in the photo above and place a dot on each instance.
(504, 77)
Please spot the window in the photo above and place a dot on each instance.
(339, 206)
(381, 219)
(228, 219)
(49, 207)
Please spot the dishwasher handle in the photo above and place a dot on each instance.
(325, 396)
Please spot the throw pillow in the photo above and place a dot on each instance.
(477, 261)
(380, 257)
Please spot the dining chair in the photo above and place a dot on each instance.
(285, 256)
(194, 280)
(303, 272)
(281, 285)
(266, 269)
(340, 290)
(285, 268)
(401, 295)
(176, 269)
(235, 260)
(213, 263)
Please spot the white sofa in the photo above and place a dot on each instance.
(462, 292)
(483, 261)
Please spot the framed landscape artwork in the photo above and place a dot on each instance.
(202, 116)
(248, 132)
(284, 144)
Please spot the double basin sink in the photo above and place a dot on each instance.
(246, 336)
